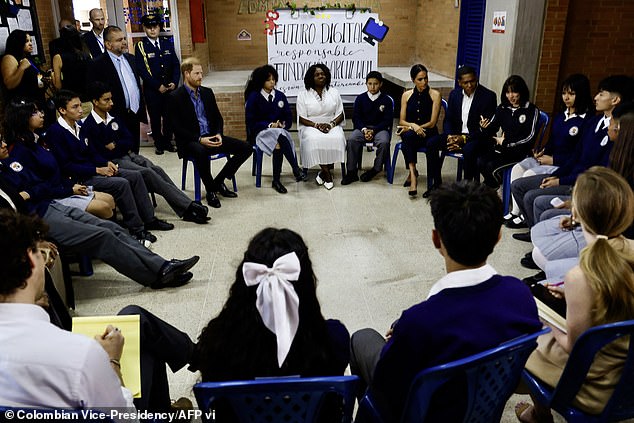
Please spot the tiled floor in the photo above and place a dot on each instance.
(369, 243)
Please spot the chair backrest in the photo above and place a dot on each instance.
(542, 124)
(621, 404)
(491, 377)
(291, 399)
(11, 414)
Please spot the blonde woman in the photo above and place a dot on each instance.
(599, 290)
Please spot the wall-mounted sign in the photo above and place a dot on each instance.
(331, 37)
(499, 22)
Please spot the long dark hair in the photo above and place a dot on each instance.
(15, 44)
(258, 78)
(622, 154)
(580, 85)
(16, 121)
(237, 345)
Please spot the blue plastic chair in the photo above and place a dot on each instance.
(285, 399)
(48, 415)
(491, 378)
(398, 147)
(186, 160)
(621, 403)
(505, 170)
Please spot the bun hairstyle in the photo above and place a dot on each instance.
(604, 204)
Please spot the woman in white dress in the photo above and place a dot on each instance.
(319, 119)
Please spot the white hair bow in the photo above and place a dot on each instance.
(277, 300)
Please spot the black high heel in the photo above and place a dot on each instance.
(413, 193)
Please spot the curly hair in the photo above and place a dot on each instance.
(18, 235)
(237, 345)
(257, 79)
(604, 204)
(309, 77)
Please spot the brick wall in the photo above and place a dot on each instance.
(47, 26)
(231, 106)
(437, 35)
(591, 37)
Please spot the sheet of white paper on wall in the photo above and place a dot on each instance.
(26, 3)
(24, 19)
(34, 41)
(13, 24)
(4, 33)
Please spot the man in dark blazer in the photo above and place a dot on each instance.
(94, 39)
(159, 68)
(474, 101)
(117, 69)
(197, 124)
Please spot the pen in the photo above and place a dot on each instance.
(555, 284)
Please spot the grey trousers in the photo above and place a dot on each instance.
(130, 194)
(156, 180)
(355, 145)
(82, 233)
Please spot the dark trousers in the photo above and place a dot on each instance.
(237, 152)
(132, 121)
(161, 344)
(410, 146)
(156, 104)
(285, 150)
(525, 190)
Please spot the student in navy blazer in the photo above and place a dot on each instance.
(128, 105)
(268, 118)
(159, 68)
(460, 135)
(198, 125)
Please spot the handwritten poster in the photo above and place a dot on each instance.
(332, 37)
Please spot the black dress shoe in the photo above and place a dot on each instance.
(349, 178)
(528, 262)
(212, 200)
(412, 193)
(171, 148)
(515, 223)
(159, 225)
(144, 235)
(203, 207)
(196, 213)
(523, 236)
(226, 192)
(173, 273)
(532, 280)
(158, 151)
(300, 175)
(368, 175)
(277, 186)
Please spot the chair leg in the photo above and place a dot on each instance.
(85, 266)
(184, 174)
(397, 148)
(258, 156)
(197, 195)
(506, 190)
(343, 169)
(255, 156)
(459, 170)
(389, 173)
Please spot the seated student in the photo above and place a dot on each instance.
(597, 291)
(80, 163)
(592, 149)
(78, 232)
(565, 133)
(268, 118)
(111, 140)
(43, 365)
(22, 119)
(372, 118)
(517, 118)
(257, 334)
(466, 106)
(557, 241)
(492, 308)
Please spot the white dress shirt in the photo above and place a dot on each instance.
(466, 106)
(463, 278)
(42, 365)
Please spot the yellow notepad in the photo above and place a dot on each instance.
(551, 316)
(131, 357)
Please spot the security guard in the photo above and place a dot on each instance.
(158, 66)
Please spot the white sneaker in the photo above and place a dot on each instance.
(319, 180)
(329, 185)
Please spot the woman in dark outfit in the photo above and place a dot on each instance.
(517, 117)
(420, 108)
